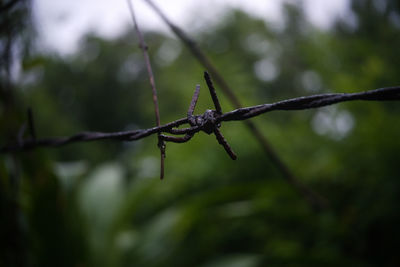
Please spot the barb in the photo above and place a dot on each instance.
(194, 101)
(213, 93)
(315, 200)
(300, 103)
(224, 143)
(206, 122)
(144, 48)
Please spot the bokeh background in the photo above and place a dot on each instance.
(102, 203)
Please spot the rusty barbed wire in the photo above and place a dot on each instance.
(206, 122)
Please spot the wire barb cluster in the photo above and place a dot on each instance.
(207, 122)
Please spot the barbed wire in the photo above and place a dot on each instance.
(208, 122)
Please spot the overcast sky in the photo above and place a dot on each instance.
(61, 23)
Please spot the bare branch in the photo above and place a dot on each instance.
(144, 48)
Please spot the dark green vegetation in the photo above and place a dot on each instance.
(102, 204)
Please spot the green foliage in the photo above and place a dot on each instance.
(102, 204)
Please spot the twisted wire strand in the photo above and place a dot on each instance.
(300, 103)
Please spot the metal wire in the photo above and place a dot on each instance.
(300, 103)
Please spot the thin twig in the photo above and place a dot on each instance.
(144, 48)
(316, 200)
